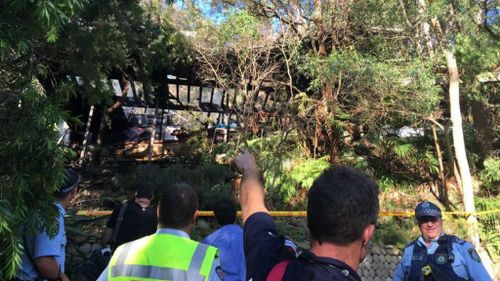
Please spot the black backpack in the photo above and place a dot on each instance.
(95, 264)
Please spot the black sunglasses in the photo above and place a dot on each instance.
(426, 219)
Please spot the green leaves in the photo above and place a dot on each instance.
(303, 174)
(44, 46)
(374, 91)
(240, 26)
(10, 254)
(490, 176)
(404, 150)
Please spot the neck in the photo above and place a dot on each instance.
(346, 254)
(428, 240)
(65, 202)
(143, 202)
(186, 229)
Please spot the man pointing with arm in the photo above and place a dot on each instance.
(342, 211)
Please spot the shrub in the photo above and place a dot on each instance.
(490, 176)
(304, 174)
(489, 225)
(209, 180)
(395, 231)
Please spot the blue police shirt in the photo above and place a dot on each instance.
(466, 264)
(214, 276)
(229, 240)
(265, 248)
(41, 245)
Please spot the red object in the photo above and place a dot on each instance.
(278, 271)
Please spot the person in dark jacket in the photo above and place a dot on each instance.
(139, 220)
(342, 212)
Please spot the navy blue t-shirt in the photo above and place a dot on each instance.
(265, 248)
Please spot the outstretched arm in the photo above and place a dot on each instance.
(252, 192)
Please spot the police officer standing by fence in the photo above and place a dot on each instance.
(169, 254)
(438, 256)
(43, 256)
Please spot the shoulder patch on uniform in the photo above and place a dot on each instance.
(219, 272)
(473, 254)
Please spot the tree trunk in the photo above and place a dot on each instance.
(327, 104)
(482, 123)
(425, 28)
(443, 192)
(463, 164)
(459, 145)
(86, 137)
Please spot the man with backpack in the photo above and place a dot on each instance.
(132, 220)
(170, 253)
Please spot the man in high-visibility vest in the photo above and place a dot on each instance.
(169, 254)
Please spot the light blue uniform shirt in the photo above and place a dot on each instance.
(41, 245)
(464, 265)
(213, 273)
(229, 240)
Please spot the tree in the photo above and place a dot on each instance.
(245, 58)
(33, 163)
(453, 25)
(45, 45)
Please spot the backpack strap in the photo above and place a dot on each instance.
(278, 271)
(119, 220)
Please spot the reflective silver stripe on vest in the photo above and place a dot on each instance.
(197, 259)
(161, 273)
(154, 272)
(123, 253)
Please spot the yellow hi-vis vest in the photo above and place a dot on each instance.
(162, 256)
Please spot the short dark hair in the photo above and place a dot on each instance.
(178, 205)
(341, 203)
(143, 191)
(225, 211)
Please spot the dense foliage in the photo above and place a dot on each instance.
(369, 84)
(211, 181)
(45, 48)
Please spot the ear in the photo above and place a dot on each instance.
(194, 216)
(368, 233)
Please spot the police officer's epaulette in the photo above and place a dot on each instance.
(458, 240)
(412, 242)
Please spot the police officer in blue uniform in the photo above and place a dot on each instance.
(341, 216)
(438, 256)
